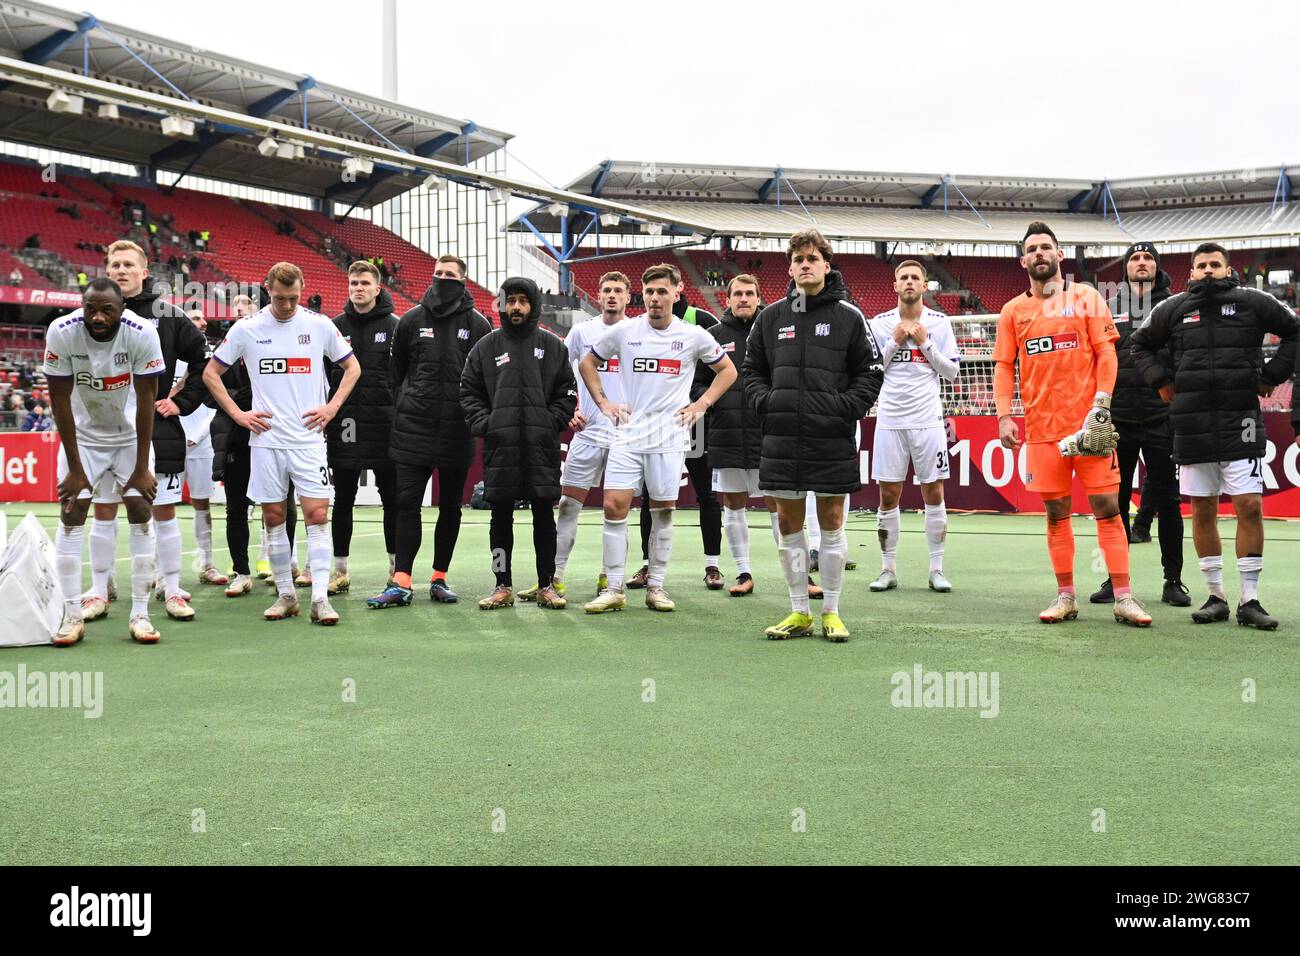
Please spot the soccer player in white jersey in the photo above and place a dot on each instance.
(657, 353)
(284, 348)
(198, 463)
(103, 363)
(919, 350)
(592, 431)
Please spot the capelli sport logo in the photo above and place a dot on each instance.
(284, 366)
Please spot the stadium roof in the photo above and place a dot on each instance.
(82, 44)
(767, 202)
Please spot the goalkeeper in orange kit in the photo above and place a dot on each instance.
(1063, 337)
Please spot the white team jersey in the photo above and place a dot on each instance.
(103, 394)
(599, 430)
(657, 368)
(909, 397)
(197, 422)
(286, 368)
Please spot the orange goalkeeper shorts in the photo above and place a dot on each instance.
(1049, 473)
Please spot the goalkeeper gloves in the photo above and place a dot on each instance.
(1097, 435)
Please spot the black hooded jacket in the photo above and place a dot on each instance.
(812, 371)
(518, 393)
(1214, 332)
(180, 340)
(735, 431)
(359, 435)
(430, 347)
(1134, 402)
(228, 439)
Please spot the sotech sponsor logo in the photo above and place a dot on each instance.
(53, 690)
(78, 909)
(1192, 317)
(284, 366)
(427, 333)
(909, 355)
(110, 383)
(657, 366)
(1046, 344)
(785, 332)
(502, 359)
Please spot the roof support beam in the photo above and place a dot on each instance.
(602, 177)
(57, 42)
(1081, 199)
(267, 104)
(928, 199)
(766, 189)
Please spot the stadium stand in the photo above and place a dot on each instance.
(244, 238)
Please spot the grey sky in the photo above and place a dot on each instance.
(1075, 90)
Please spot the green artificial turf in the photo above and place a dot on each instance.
(465, 720)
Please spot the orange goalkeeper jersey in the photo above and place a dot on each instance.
(1056, 342)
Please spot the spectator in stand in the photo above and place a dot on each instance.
(37, 420)
(82, 280)
(16, 277)
(33, 241)
(314, 303)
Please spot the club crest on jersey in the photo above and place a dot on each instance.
(120, 358)
(785, 333)
(657, 366)
(426, 333)
(1192, 317)
(503, 359)
(110, 383)
(539, 353)
(1044, 344)
(284, 366)
(1229, 308)
(676, 346)
(823, 328)
(304, 339)
(379, 337)
(462, 334)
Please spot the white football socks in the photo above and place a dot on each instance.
(614, 550)
(566, 532)
(661, 545)
(794, 565)
(1212, 568)
(733, 522)
(887, 530)
(203, 536)
(319, 551)
(277, 549)
(142, 568)
(67, 560)
(831, 558)
(1249, 568)
(169, 554)
(103, 553)
(936, 533)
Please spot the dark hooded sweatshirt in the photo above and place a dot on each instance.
(518, 393)
(1134, 402)
(430, 347)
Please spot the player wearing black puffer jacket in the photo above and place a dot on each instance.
(1217, 373)
(812, 371)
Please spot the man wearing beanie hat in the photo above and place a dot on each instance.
(518, 393)
(1142, 419)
